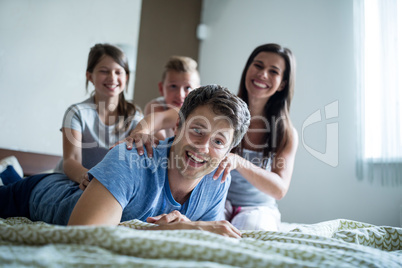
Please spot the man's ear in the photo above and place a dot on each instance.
(282, 85)
(230, 149)
(160, 86)
(177, 126)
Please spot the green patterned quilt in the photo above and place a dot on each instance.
(337, 243)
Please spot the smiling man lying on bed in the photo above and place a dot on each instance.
(177, 181)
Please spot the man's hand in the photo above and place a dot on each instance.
(174, 216)
(224, 228)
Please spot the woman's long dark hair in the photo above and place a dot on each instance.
(277, 107)
(125, 109)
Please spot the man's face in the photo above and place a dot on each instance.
(201, 143)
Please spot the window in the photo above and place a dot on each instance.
(378, 48)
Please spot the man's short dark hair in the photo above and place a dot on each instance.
(222, 102)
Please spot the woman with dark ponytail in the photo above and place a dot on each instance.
(262, 165)
(91, 127)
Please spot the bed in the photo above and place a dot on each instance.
(32, 163)
(336, 243)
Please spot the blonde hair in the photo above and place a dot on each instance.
(180, 64)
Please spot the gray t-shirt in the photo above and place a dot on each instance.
(97, 137)
(244, 194)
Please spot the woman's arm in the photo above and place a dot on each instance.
(72, 157)
(275, 182)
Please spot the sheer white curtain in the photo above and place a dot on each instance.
(378, 50)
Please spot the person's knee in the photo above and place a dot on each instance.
(255, 219)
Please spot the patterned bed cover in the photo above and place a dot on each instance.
(336, 243)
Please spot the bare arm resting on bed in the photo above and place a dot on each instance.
(97, 206)
(175, 220)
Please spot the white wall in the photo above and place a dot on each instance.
(320, 33)
(44, 46)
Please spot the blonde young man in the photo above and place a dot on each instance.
(179, 78)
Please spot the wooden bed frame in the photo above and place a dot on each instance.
(32, 163)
